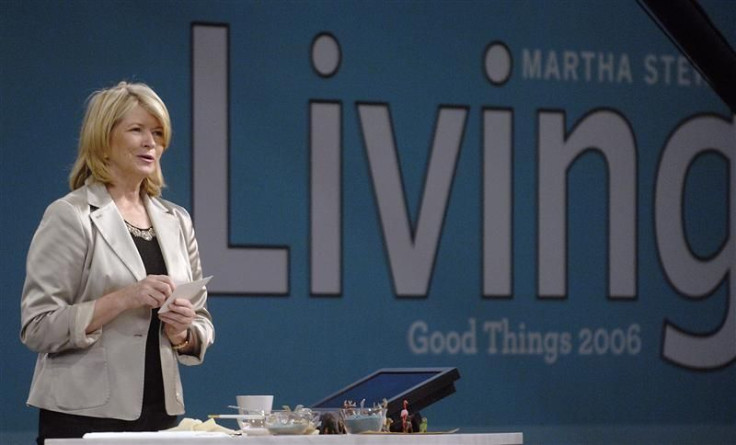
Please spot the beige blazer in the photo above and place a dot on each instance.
(80, 252)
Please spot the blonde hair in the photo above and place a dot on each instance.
(105, 109)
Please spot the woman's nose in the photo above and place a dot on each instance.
(149, 139)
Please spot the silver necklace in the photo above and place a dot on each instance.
(146, 234)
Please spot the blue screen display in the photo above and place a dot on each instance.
(384, 385)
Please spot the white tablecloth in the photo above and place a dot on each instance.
(346, 439)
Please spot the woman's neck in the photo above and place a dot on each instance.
(130, 204)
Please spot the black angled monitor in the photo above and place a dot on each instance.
(421, 387)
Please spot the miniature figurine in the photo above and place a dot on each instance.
(387, 424)
(406, 424)
(348, 404)
(387, 421)
(331, 424)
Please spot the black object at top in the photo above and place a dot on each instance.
(421, 387)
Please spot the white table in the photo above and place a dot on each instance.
(345, 439)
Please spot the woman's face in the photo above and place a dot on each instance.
(136, 145)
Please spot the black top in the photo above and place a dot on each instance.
(153, 386)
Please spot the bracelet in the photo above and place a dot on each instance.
(181, 345)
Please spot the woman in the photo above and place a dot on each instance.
(104, 258)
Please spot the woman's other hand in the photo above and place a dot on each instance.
(177, 320)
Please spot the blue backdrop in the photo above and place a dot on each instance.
(538, 193)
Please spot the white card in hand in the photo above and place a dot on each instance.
(187, 290)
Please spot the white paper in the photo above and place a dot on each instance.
(187, 290)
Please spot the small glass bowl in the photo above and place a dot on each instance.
(252, 420)
(363, 420)
(290, 422)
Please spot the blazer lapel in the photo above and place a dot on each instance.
(167, 229)
(110, 225)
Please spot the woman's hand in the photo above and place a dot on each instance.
(177, 320)
(151, 292)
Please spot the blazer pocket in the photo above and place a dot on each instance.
(80, 378)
